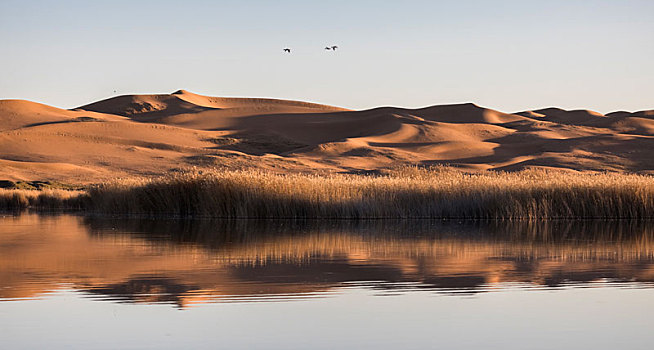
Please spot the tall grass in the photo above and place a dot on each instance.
(44, 200)
(404, 193)
(436, 193)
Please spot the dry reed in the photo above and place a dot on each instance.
(405, 193)
(44, 200)
(436, 193)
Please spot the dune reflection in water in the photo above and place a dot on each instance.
(189, 262)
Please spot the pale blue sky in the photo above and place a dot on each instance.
(507, 55)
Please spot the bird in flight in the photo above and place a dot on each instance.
(287, 50)
(334, 47)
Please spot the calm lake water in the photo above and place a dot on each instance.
(69, 282)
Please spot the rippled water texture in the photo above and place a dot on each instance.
(75, 282)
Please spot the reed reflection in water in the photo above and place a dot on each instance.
(189, 262)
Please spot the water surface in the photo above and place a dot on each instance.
(75, 282)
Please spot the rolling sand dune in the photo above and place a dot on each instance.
(156, 134)
(201, 111)
(17, 114)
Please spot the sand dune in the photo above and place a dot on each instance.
(575, 117)
(639, 114)
(17, 114)
(182, 107)
(155, 134)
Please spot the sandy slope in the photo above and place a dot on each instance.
(157, 134)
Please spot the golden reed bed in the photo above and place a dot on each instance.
(439, 192)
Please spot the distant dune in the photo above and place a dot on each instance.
(156, 134)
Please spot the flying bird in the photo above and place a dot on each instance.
(287, 50)
(334, 47)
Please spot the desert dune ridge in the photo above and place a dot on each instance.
(151, 135)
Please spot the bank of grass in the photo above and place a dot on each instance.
(43, 200)
(404, 193)
(437, 193)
